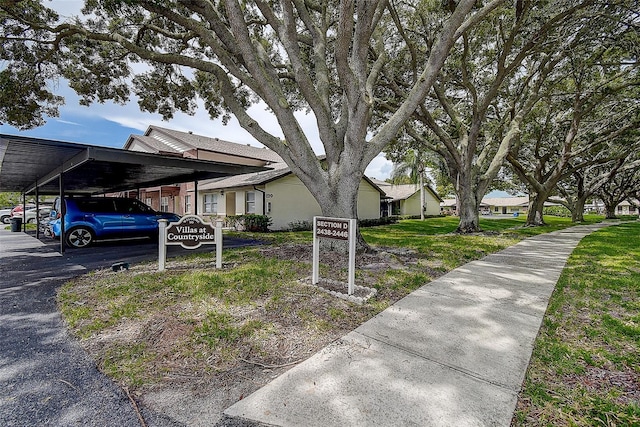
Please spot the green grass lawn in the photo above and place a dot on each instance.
(435, 237)
(585, 369)
(142, 326)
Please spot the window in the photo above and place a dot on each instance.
(99, 205)
(250, 199)
(211, 203)
(187, 204)
(164, 204)
(148, 201)
(131, 206)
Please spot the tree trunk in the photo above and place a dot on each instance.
(577, 215)
(467, 208)
(536, 206)
(340, 200)
(610, 211)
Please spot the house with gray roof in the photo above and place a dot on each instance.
(494, 205)
(275, 192)
(404, 199)
(279, 194)
(182, 198)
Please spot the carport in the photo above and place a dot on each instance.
(48, 167)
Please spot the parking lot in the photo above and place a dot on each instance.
(45, 377)
(103, 254)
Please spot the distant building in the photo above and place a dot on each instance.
(404, 199)
(626, 208)
(493, 205)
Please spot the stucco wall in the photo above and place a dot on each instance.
(368, 201)
(411, 206)
(290, 201)
(287, 200)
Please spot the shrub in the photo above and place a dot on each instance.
(560, 211)
(300, 225)
(377, 221)
(249, 222)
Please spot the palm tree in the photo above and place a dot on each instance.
(413, 165)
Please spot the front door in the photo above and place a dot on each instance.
(230, 202)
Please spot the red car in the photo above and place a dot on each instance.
(18, 209)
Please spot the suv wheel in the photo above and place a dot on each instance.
(6, 219)
(79, 237)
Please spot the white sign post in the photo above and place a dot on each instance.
(190, 232)
(338, 229)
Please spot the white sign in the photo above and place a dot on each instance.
(190, 232)
(334, 228)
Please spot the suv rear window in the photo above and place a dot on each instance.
(103, 205)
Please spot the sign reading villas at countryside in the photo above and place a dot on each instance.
(190, 232)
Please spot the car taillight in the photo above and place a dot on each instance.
(57, 216)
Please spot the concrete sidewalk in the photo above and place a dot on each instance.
(453, 353)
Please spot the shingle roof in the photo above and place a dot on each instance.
(194, 141)
(279, 170)
(258, 178)
(152, 143)
(402, 191)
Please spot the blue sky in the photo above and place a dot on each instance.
(110, 125)
(93, 130)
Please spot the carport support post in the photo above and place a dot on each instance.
(195, 197)
(162, 243)
(24, 212)
(63, 211)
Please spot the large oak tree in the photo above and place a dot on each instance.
(325, 58)
(488, 88)
(588, 116)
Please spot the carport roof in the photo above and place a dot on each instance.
(27, 163)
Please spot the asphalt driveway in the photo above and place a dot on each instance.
(46, 379)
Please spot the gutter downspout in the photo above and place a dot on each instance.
(264, 199)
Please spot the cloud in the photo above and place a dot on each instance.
(67, 122)
(379, 168)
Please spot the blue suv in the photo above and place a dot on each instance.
(100, 218)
